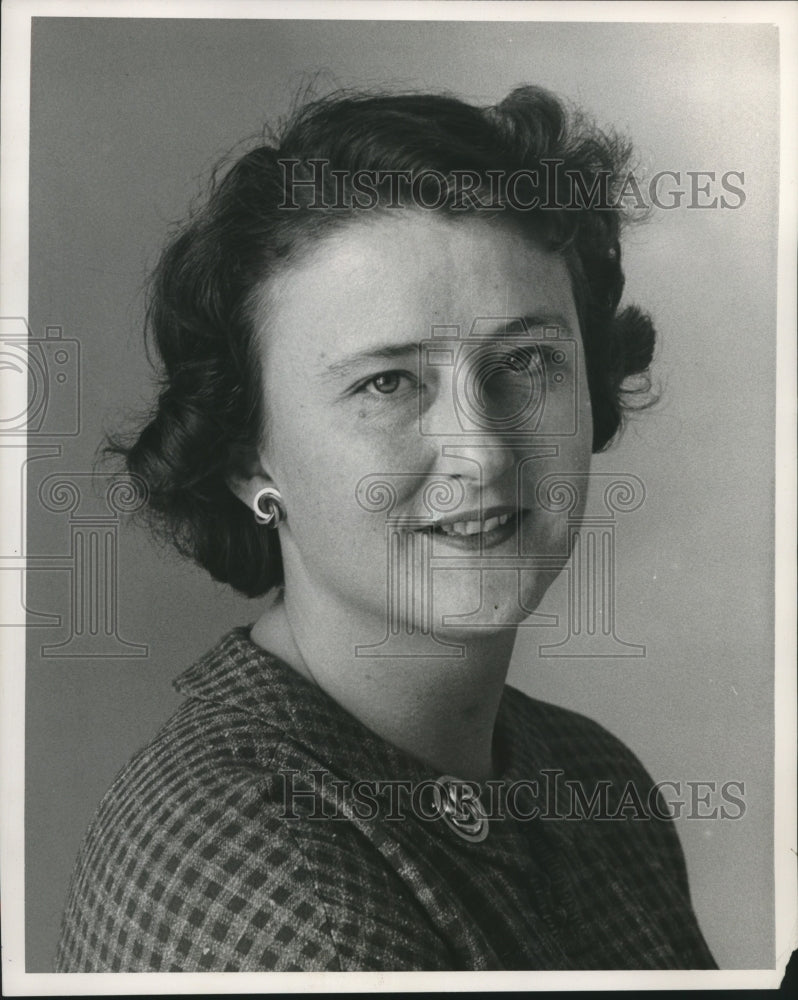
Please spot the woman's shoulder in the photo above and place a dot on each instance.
(205, 751)
(585, 772)
(215, 753)
(585, 762)
(195, 859)
(564, 734)
(184, 837)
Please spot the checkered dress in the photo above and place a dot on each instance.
(211, 851)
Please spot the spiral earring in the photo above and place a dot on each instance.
(269, 507)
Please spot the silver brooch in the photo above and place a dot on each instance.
(457, 803)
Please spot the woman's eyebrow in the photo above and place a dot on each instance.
(352, 362)
(549, 324)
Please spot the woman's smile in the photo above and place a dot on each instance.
(477, 530)
(472, 526)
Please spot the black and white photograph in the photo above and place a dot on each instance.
(398, 470)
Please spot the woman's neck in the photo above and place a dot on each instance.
(440, 709)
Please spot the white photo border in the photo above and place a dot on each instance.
(16, 17)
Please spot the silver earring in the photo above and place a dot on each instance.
(269, 507)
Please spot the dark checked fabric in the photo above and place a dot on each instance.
(210, 852)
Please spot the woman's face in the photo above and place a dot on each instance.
(438, 364)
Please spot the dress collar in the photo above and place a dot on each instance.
(240, 674)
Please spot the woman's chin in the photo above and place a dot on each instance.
(490, 600)
(494, 615)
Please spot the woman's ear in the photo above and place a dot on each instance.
(248, 481)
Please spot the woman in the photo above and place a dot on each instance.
(389, 342)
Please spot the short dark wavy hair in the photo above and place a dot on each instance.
(201, 302)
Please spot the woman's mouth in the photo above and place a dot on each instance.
(472, 527)
(472, 531)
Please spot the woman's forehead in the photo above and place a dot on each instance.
(402, 275)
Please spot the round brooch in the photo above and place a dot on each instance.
(457, 803)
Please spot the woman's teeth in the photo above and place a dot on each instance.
(474, 527)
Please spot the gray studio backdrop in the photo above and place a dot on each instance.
(127, 117)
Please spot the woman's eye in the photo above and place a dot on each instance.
(386, 383)
(524, 359)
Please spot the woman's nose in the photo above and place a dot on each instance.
(483, 462)
(483, 456)
(474, 421)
